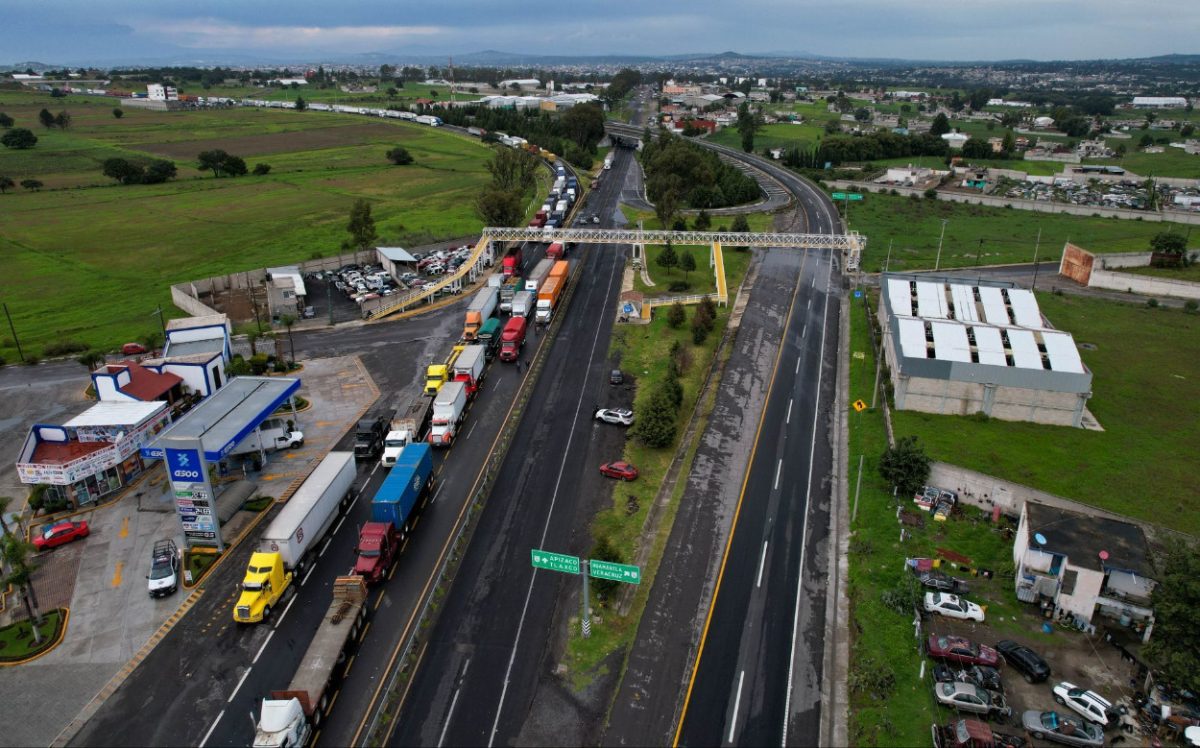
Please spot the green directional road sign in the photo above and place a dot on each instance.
(615, 572)
(854, 196)
(838, 196)
(555, 561)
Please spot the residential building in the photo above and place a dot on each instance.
(1082, 566)
(956, 140)
(286, 293)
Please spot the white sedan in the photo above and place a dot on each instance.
(614, 415)
(952, 606)
(1090, 704)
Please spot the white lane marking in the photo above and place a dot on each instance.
(308, 574)
(797, 365)
(814, 281)
(804, 332)
(449, 715)
(762, 562)
(337, 527)
(473, 425)
(789, 413)
(810, 302)
(286, 608)
(778, 468)
(322, 553)
(736, 703)
(545, 529)
(211, 727)
(787, 704)
(263, 647)
(436, 491)
(238, 687)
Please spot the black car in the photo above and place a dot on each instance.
(987, 678)
(616, 377)
(944, 582)
(1024, 660)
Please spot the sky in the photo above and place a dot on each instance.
(112, 31)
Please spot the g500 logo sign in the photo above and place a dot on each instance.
(185, 465)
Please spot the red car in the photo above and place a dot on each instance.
(960, 650)
(60, 533)
(619, 470)
(133, 349)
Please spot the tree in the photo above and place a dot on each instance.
(1009, 146)
(301, 104)
(676, 315)
(667, 258)
(361, 225)
(62, 121)
(499, 207)
(905, 466)
(6, 183)
(46, 118)
(1174, 652)
(400, 156)
(91, 359)
(748, 124)
(159, 170)
(288, 320)
(19, 139)
(584, 125)
(16, 552)
(740, 224)
(118, 112)
(832, 126)
(700, 325)
(1169, 243)
(513, 169)
(687, 263)
(666, 206)
(5, 121)
(261, 170)
(940, 125)
(655, 426)
(234, 166)
(703, 222)
(123, 170)
(31, 184)
(212, 160)
(862, 114)
(152, 340)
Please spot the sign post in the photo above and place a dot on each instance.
(586, 568)
(195, 500)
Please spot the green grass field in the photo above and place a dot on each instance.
(1146, 396)
(92, 262)
(1008, 235)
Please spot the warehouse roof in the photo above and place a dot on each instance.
(396, 254)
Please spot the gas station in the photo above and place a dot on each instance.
(238, 419)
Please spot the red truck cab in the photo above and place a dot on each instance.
(512, 338)
(377, 545)
(556, 251)
(511, 265)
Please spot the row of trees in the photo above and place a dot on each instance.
(680, 173)
(62, 120)
(575, 133)
(514, 174)
(7, 183)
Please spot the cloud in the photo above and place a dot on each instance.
(213, 33)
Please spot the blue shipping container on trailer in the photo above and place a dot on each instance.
(408, 480)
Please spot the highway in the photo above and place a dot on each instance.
(477, 677)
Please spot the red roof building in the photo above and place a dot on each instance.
(131, 381)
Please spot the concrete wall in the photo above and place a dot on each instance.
(1082, 600)
(950, 397)
(1040, 206)
(1144, 284)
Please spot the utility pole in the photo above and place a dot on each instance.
(937, 262)
(329, 300)
(888, 261)
(1037, 245)
(159, 311)
(14, 333)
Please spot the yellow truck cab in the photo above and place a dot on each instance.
(438, 374)
(265, 582)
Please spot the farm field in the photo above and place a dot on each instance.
(92, 262)
(982, 235)
(1146, 370)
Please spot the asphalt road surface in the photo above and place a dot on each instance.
(478, 674)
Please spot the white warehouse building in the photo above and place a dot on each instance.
(960, 348)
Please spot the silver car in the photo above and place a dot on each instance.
(1062, 728)
(615, 416)
(969, 698)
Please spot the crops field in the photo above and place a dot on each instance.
(89, 260)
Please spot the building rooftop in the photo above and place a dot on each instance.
(1081, 538)
(60, 453)
(115, 413)
(188, 348)
(145, 384)
(188, 323)
(396, 254)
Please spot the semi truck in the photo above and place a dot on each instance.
(522, 305)
(289, 717)
(509, 289)
(407, 428)
(438, 374)
(511, 264)
(547, 300)
(533, 281)
(369, 433)
(556, 251)
(376, 549)
(469, 369)
(482, 307)
(513, 338)
(489, 338)
(449, 407)
(410, 481)
(286, 547)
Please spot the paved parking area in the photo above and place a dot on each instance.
(112, 616)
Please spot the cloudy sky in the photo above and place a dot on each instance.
(79, 31)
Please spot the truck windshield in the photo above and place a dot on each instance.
(396, 442)
(368, 552)
(252, 586)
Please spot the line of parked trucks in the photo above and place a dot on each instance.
(403, 440)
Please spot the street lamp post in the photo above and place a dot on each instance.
(937, 262)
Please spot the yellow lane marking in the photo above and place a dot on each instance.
(124, 528)
(116, 580)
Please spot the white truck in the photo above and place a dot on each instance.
(272, 434)
(522, 304)
(289, 718)
(286, 547)
(406, 428)
(533, 281)
(608, 160)
(449, 408)
(469, 368)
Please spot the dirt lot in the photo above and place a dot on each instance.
(281, 142)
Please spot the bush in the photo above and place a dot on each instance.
(872, 678)
(261, 170)
(258, 364)
(64, 348)
(655, 426)
(676, 315)
(400, 156)
(1191, 305)
(1152, 303)
(33, 360)
(931, 193)
(605, 551)
(679, 286)
(699, 333)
